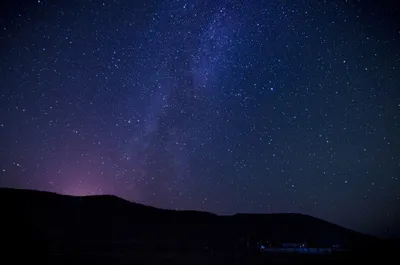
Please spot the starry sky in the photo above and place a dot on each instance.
(223, 106)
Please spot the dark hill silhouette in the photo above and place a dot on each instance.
(44, 223)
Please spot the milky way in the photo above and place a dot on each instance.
(222, 106)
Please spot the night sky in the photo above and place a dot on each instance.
(223, 106)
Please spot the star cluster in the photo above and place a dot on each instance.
(223, 106)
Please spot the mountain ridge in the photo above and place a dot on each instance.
(116, 199)
(56, 223)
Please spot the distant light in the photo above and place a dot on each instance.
(272, 89)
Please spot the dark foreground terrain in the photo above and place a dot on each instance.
(49, 228)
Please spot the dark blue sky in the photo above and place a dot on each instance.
(223, 106)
